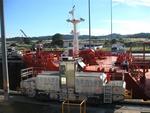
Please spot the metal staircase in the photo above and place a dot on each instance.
(107, 94)
(135, 86)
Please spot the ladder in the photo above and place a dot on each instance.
(107, 94)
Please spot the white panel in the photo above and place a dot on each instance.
(118, 90)
(48, 83)
(89, 84)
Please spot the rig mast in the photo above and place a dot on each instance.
(74, 32)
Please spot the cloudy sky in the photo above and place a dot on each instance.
(47, 17)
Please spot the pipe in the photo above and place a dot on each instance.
(4, 54)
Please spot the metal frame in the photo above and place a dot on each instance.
(81, 104)
(25, 73)
(4, 53)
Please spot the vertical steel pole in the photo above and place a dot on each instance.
(111, 17)
(144, 58)
(89, 8)
(4, 54)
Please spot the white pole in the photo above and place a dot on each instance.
(4, 54)
(111, 17)
(89, 8)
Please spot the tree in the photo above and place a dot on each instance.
(57, 40)
(113, 41)
(121, 40)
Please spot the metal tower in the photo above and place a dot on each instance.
(74, 32)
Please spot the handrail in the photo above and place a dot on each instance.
(25, 73)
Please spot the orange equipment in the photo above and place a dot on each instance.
(44, 59)
(88, 56)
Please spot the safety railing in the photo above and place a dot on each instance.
(30, 72)
(26, 73)
(69, 103)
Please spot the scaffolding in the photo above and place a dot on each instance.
(80, 103)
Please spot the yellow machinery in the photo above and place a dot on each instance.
(128, 94)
